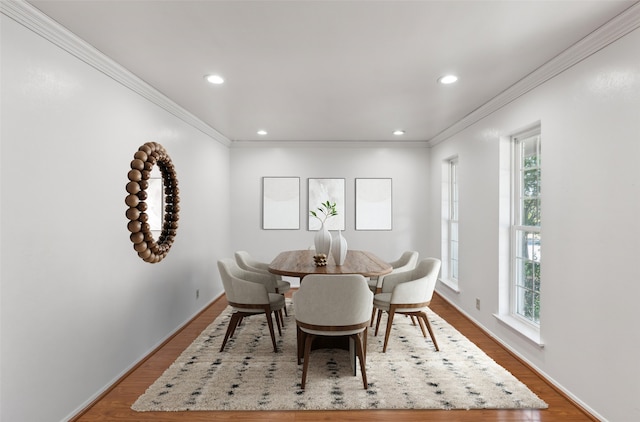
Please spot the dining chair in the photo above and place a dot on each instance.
(332, 305)
(406, 262)
(247, 262)
(408, 293)
(248, 294)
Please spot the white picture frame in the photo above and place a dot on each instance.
(281, 203)
(374, 204)
(323, 190)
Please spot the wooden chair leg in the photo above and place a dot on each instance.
(238, 323)
(233, 322)
(358, 340)
(378, 321)
(392, 311)
(373, 316)
(273, 336)
(428, 324)
(307, 352)
(420, 320)
(300, 339)
(364, 343)
(276, 314)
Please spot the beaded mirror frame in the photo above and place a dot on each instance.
(147, 247)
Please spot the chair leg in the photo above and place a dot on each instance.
(373, 316)
(281, 316)
(230, 329)
(307, 351)
(378, 321)
(364, 343)
(273, 336)
(428, 324)
(276, 314)
(358, 340)
(392, 311)
(420, 320)
(238, 323)
(300, 339)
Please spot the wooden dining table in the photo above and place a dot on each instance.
(300, 263)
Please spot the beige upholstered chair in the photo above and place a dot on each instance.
(332, 305)
(406, 262)
(248, 294)
(246, 262)
(408, 293)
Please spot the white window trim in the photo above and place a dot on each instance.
(445, 246)
(505, 314)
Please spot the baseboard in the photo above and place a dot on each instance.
(81, 410)
(590, 413)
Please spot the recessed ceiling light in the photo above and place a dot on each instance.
(448, 79)
(214, 79)
(262, 132)
(398, 132)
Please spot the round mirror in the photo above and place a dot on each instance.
(148, 248)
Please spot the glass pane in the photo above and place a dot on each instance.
(531, 182)
(530, 212)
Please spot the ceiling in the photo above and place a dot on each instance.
(331, 70)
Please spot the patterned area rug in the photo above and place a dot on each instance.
(248, 375)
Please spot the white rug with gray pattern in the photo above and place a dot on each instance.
(248, 375)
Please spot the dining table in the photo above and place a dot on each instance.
(300, 263)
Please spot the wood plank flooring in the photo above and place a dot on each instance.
(115, 405)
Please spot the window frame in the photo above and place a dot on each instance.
(517, 280)
(453, 220)
(450, 217)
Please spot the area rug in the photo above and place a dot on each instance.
(248, 375)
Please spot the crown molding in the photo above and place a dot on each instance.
(41, 24)
(328, 144)
(614, 29)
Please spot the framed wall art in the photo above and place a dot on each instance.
(281, 203)
(373, 204)
(323, 190)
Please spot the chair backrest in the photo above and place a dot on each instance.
(239, 289)
(420, 283)
(408, 260)
(333, 300)
(247, 262)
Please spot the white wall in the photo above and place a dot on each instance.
(590, 118)
(78, 305)
(406, 165)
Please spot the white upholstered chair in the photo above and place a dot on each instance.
(247, 262)
(332, 305)
(248, 294)
(406, 262)
(408, 293)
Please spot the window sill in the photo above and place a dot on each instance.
(530, 333)
(452, 285)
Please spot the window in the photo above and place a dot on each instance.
(450, 222)
(453, 219)
(525, 228)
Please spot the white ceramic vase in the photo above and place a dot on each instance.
(339, 248)
(322, 241)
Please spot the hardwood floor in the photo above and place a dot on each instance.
(115, 404)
